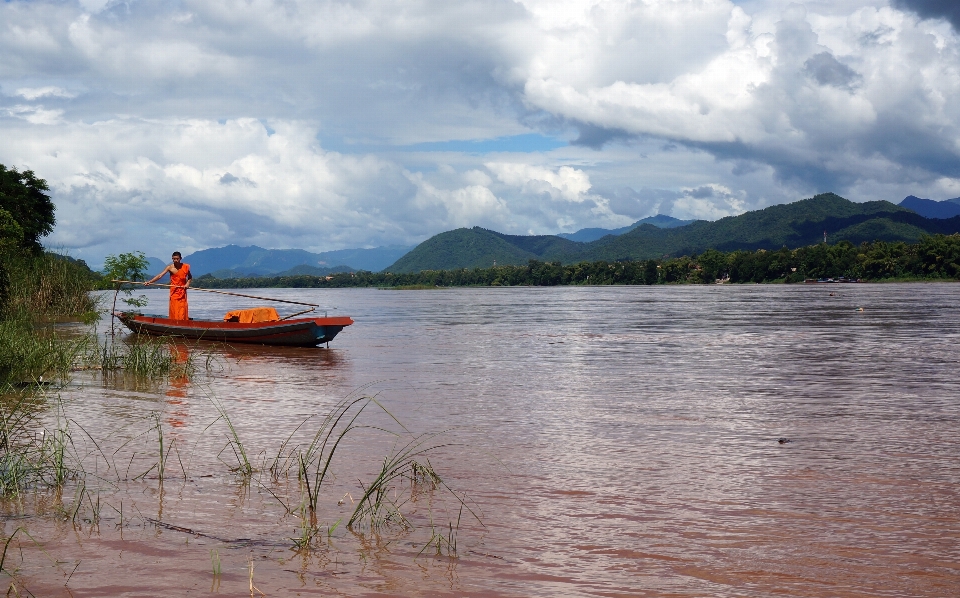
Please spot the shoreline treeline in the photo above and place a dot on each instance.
(935, 257)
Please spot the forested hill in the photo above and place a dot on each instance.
(792, 225)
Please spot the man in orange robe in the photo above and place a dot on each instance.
(180, 278)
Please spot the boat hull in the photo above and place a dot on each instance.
(302, 332)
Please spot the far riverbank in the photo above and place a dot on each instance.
(933, 258)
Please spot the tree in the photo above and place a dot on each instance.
(127, 266)
(11, 233)
(23, 195)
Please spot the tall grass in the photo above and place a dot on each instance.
(41, 288)
(29, 354)
(48, 286)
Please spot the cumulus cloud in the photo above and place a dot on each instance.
(566, 183)
(291, 123)
(709, 202)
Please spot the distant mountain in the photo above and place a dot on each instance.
(929, 208)
(155, 265)
(465, 248)
(372, 260)
(585, 235)
(236, 261)
(793, 225)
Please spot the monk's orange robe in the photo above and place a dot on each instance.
(178, 294)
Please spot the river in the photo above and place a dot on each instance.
(726, 440)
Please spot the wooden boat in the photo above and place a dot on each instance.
(301, 332)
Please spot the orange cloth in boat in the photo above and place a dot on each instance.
(252, 316)
(178, 293)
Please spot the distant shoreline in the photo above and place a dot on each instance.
(933, 258)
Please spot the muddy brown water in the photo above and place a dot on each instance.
(613, 441)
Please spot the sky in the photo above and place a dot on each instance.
(320, 125)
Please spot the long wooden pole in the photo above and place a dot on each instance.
(218, 292)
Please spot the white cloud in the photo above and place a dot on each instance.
(36, 115)
(709, 202)
(33, 93)
(217, 121)
(566, 183)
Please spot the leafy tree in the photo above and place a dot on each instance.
(127, 266)
(11, 233)
(23, 195)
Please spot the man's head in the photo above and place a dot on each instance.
(176, 256)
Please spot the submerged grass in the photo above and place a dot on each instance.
(31, 455)
(144, 356)
(383, 499)
(29, 355)
(36, 458)
(243, 468)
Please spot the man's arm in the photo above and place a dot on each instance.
(158, 276)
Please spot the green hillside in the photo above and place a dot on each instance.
(797, 224)
(463, 248)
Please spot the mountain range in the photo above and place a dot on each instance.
(585, 235)
(796, 224)
(929, 208)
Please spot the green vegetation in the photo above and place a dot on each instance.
(798, 224)
(39, 288)
(36, 287)
(934, 257)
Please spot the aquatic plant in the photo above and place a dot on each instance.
(145, 357)
(383, 498)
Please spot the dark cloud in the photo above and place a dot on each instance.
(827, 70)
(933, 9)
(596, 137)
(638, 204)
(228, 179)
(702, 192)
(825, 172)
